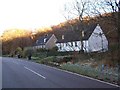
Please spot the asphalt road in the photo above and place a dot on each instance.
(18, 73)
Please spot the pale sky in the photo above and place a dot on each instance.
(30, 14)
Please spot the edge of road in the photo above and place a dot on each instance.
(82, 75)
(71, 73)
(77, 74)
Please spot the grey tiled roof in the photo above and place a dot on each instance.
(71, 35)
(40, 40)
(88, 31)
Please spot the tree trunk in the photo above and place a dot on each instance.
(118, 40)
(81, 29)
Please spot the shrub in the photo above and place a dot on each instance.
(19, 52)
(62, 59)
(28, 51)
(108, 74)
(54, 49)
(41, 50)
(48, 59)
(84, 70)
(40, 55)
(67, 58)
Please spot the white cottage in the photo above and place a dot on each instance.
(94, 40)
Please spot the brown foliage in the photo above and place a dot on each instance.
(14, 38)
(21, 38)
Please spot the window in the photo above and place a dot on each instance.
(62, 36)
(37, 42)
(45, 39)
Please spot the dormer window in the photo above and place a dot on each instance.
(62, 36)
(37, 42)
(45, 40)
(98, 25)
(83, 34)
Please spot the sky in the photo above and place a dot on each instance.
(30, 14)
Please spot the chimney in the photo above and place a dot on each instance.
(62, 37)
(98, 24)
(83, 34)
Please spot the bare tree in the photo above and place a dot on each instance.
(78, 8)
(112, 7)
(104, 7)
(114, 4)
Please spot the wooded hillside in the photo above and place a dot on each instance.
(14, 38)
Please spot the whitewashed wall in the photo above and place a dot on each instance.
(97, 42)
(62, 47)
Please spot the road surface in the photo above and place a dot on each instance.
(18, 73)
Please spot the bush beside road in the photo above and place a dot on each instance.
(106, 73)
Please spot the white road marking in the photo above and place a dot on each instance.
(35, 72)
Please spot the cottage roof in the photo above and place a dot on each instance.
(68, 34)
(43, 39)
(72, 35)
(88, 30)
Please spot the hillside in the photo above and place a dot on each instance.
(21, 38)
(107, 23)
